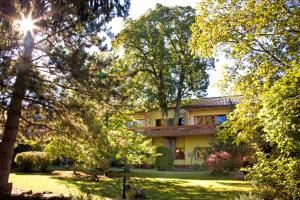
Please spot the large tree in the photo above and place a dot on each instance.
(93, 135)
(262, 37)
(156, 51)
(40, 66)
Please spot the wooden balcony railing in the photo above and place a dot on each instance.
(175, 131)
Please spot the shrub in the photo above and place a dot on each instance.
(196, 167)
(245, 196)
(27, 161)
(41, 161)
(218, 161)
(276, 176)
(164, 160)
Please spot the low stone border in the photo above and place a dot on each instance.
(28, 195)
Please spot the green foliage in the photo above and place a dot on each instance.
(97, 136)
(164, 159)
(27, 161)
(241, 155)
(277, 176)
(262, 39)
(35, 145)
(157, 185)
(218, 161)
(196, 167)
(278, 170)
(157, 56)
(246, 196)
(22, 148)
(64, 66)
(42, 68)
(41, 161)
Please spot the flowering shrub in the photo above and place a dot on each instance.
(218, 161)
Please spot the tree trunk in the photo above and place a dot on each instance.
(74, 168)
(14, 113)
(177, 111)
(163, 102)
(178, 98)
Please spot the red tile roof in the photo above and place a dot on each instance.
(212, 102)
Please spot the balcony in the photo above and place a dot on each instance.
(176, 131)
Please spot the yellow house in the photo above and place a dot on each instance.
(198, 122)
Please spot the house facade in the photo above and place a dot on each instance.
(196, 130)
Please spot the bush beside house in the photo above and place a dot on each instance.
(219, 161)
(164, 159)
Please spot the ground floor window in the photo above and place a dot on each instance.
(179, 153)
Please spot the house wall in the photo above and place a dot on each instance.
(196, 141)
(158, 141)
(186, 142)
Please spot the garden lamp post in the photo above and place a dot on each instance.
(124, 179)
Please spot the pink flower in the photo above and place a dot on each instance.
(216, 159)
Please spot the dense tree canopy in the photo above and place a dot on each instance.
(156, 51)
(41, 68)
(262, 37)
(93, 136)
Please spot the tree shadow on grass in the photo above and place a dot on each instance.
(203, 175)
(154, 188)
(236, 184)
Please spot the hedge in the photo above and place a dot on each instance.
(27, 161)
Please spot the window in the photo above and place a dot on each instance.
(210, 120)
(179, 154)
(140, 122)
(181, 121)
(205, 120)
(221, 119)
(136, 123)
(158, 122)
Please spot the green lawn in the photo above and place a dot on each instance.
(158, 185)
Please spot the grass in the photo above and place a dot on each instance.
(157, 185)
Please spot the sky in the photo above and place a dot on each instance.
(139, 7)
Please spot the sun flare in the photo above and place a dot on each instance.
(26, 24)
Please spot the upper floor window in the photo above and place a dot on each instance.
(209, 120)
(205, 120)
(181, 121)
(169, 122)
(221, 119)
(137, 123)
(158, 122)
